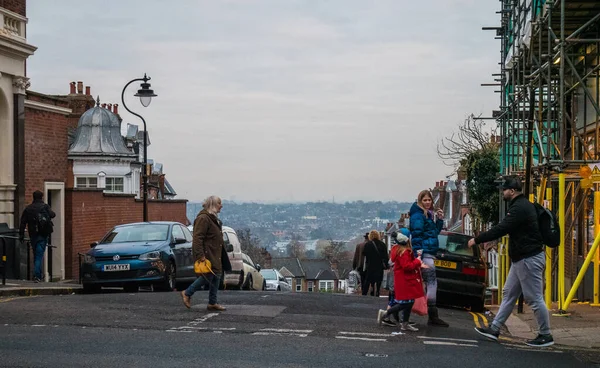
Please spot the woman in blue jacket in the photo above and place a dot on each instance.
(425, 227)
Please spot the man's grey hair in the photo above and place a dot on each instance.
(210, 204)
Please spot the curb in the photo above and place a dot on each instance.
(41, 291)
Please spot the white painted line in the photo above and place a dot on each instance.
(279, 334)
(265, 296)
(204, 328)
(536, 350)
(447, 343)
(284, 330)
(38, 325)
(205, 318)
(363, 334)
(178, 331)
(447, 339)
(359, 338)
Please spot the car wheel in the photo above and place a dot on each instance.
(248, 284)
(477, 305)
(240, 284)
(133, 288)
(264, 285)
(91, 288)
(170, 281)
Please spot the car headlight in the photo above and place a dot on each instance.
(150, 256)
(88, 259)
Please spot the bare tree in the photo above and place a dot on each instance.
(472, 135)
(250, 245)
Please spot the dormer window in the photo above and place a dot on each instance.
(86, 182)
(114, 185)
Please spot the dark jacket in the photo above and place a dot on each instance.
(522, 227)
(208, 242)
(357, 261)
(376, 255)
(424, 230)
(29, 218)
(407, 275)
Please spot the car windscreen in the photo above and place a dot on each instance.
(456, 244)
(137, 233)
(269, 274)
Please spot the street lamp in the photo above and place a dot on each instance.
(145, 94)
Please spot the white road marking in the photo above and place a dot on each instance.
(179, 331)
(204, 328)
(265, 296)
(448, 343)
(38, 325)
(278, 334)
(363, 334)
(359, 338)
(284, 330)
(447, 339)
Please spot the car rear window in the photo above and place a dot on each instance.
(269, 274)
(456, 244)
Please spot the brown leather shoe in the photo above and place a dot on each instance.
(187, 301)
(216, 307)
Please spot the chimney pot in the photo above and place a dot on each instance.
(103, 106)
(116, 109)
(80, 87)
(87, 91)
(109, 106)
(72, 88)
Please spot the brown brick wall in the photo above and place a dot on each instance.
(17, 6)
(90, 214)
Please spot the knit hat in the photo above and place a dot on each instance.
(403, 236)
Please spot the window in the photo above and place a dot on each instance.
(187, 234)
(310, 286)
(86, 182)
(288, 280)
(177, 232)
(114, 185)
(325, 285)
(298, 284)
(269, 274)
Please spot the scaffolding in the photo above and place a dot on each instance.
(549, 121)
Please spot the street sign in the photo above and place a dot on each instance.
(595, 178)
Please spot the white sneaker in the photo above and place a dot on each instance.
(406, 327)
(380, 315)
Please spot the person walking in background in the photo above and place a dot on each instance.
(425, 227)
(358, 262)
(376, 258)
(208, 244)
(408, 285)
(37, 217)
(526, 251)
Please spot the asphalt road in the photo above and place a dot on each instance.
(259, 329)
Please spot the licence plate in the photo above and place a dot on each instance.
(116, 267)
(445, 264)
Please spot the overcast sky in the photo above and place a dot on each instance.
(280, 100)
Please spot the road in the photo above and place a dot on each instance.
(259, 329)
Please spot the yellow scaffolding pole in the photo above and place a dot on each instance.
(596, 303)
(548, 271)
(561, 248)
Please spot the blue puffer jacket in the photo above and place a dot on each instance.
(424, 231)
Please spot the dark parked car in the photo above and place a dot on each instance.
(148, 253)
(461, 272)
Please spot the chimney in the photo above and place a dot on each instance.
(87, 91)
(80, 87)
(116, 109)
(72, 88)
(103, 106)
(109, 107)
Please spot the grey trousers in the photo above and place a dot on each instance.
(525, 276)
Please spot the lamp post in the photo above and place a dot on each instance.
(145, 94)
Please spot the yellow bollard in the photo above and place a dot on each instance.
(561, 248)
(596, 303)
(548, 271)
(582, 272)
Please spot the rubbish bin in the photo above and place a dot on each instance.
(10, 261)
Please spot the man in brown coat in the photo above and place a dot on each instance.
(208, 244)
(359, 259)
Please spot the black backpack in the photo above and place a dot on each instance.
(44, 222)
(548, 224)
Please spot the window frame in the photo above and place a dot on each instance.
(114, 185)
(87, 182)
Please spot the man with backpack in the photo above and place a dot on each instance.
(526, 250)
(38, 219)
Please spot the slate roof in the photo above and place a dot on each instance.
(314, 267)
(292, 264)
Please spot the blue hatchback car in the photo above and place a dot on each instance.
(147, 253)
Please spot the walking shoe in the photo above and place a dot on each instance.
(434, 319)
(388, 322)
(186, 300)
(407, 327)
(541, 341)
(216, 307)
(36, 280)
(380, 315)
(488, 332)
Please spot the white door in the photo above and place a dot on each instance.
(55, 197)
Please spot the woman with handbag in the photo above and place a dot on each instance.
(376, 260)
(209, 253)
(425, 226)
(408, 285)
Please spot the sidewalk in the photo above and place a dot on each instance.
(580, 329)
(28, 288)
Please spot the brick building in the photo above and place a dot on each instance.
(73, 151)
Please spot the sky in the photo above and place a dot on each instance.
(280, 100)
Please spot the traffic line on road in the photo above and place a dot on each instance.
(484, 320)
(476, 320)
(363, 334)
(448, 339)
(359, 338)
(282, 332)
(531, 348)
(448, 343)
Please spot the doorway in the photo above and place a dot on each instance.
(54, 259)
